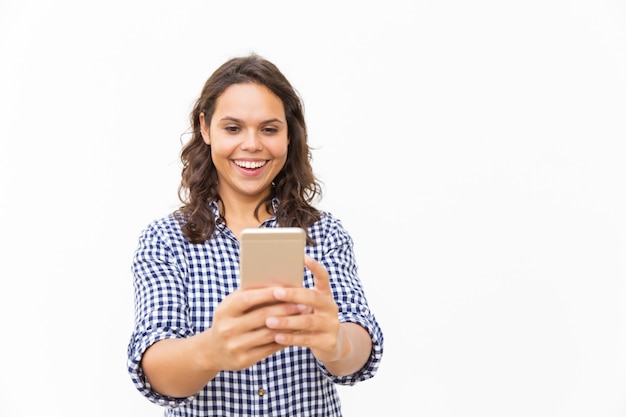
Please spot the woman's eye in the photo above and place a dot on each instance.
(270, 130)
(231, 129)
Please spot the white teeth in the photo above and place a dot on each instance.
(250, 164)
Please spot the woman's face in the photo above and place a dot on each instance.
(248, 138)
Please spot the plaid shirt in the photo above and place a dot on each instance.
(178, 285)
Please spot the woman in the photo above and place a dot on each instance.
(203, 346)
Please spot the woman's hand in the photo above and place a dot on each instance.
(238, 337)
(342, 347)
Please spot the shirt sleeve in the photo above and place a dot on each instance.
(337, 256)
(161, 310)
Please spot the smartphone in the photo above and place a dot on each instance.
(272, 256)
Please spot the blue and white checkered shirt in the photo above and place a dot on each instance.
(178, 285)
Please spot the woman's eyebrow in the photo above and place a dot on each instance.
(234, 119)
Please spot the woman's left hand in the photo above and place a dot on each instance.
(318, 326)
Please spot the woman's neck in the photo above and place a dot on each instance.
(240, 214)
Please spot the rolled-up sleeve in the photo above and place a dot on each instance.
(161, 310)
(336, 252)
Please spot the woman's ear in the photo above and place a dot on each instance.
(204, 130)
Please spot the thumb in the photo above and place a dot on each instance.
(322, 282)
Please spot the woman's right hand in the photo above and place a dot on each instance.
(238, 337)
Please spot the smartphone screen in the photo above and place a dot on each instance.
(272, 256)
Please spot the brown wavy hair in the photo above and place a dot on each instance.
(295, 187)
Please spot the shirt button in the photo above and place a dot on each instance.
(261, 392)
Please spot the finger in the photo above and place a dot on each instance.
(314, 340)
(305, 322)
(304, 299)
(251, 340)
(322, 282)
(242, 301)
(260, 315)
(293, 339)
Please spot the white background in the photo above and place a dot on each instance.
(474, 149)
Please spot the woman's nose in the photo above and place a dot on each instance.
(252, 141)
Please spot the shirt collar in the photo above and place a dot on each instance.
(218, 218)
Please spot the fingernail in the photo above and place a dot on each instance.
(279, 293)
